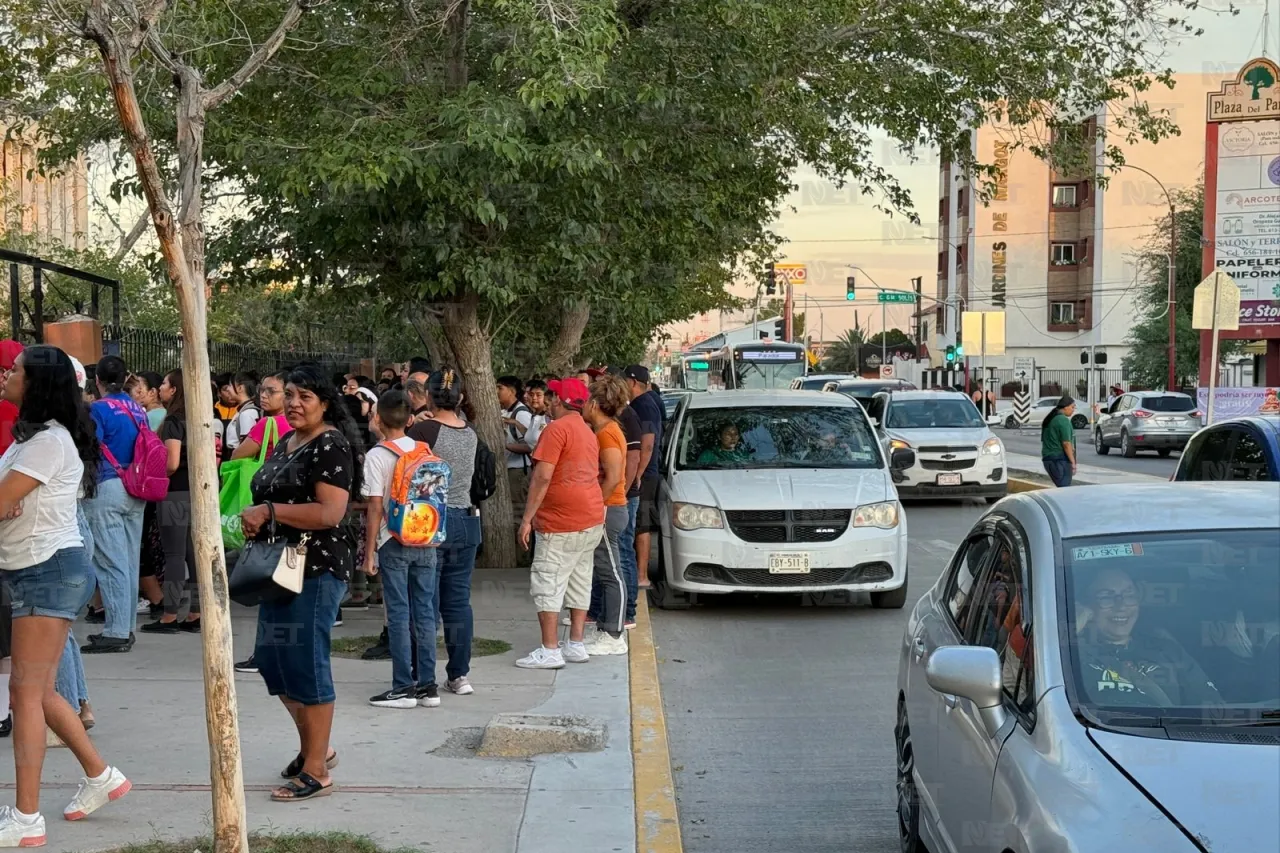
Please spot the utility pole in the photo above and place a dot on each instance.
(918, 281)
(1172, 384)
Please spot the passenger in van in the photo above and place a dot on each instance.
(729, 451)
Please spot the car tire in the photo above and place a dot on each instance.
(1011, 422)
(661, 594)
(1127, 449)
(890, 599)
(1163, 452)
(908, 798)
(1079, 422)
(1099, 446)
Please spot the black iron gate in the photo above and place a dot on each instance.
(35, 311)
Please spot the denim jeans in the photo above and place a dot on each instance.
(409, 580)
(69, 682)
(627, 555)
(115, 519)
(1059, 470)
(457, 562)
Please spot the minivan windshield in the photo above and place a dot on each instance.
(1172, 403)
(776, 437)
(1167, 627)
(944, 413)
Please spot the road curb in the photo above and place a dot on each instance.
(1025, 485)
(657, 820)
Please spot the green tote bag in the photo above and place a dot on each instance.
(236, 492)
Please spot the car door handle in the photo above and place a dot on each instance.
(919, 647)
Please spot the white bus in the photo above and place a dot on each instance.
(691, 372)
(757, 367)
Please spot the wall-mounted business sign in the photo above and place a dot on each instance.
(1252, 96)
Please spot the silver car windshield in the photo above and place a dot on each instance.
(1176, 626)
(776, 437)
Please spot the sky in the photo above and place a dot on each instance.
(829, 228)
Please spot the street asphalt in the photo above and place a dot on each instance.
(780, 715)
(1028, 441)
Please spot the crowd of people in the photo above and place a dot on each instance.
(84, 531)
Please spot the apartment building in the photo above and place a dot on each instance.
(53, 206)
(1058, 251)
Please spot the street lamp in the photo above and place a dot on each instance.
(1172, 380)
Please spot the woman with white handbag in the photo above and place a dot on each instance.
(296, 523)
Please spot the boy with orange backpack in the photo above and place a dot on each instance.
(406, 487)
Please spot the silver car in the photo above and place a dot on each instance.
(1098, 669)
(1162, 421)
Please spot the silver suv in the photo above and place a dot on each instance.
(1162, 421)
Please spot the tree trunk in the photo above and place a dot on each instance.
(221, 712)
(474, 351)
(562, 357)
(427, 325)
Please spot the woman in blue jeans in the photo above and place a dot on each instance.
(47, 579)
(1058, 442)
(453, 441)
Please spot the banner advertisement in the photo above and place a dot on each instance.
(1239, 402)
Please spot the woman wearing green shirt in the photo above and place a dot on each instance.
(728, 452)
(1058, 442)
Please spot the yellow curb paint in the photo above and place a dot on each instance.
(657, 821)
(1025, 485)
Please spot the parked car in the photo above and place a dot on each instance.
(778, 491)
(815, 381)
(1163, 421)
(1236, 449)
(956, 453)
(1098, 669)
(1040, 411)
(671, 398)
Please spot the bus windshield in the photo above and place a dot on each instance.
(767, 368)
(694, 375)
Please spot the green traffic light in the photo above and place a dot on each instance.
(850, 296)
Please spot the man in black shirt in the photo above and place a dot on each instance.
(647, 406)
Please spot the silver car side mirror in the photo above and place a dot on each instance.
(974, 673)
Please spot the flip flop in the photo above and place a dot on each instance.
(305, 787)
(295, 766)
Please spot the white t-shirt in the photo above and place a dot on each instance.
(379, 465)
(536, 426)
(524, 417)
(48, 521)
(239, 426)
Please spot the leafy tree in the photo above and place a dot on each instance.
(1148, 338)
(845, 353)
(892, 338)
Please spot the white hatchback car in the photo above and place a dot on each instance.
(956, 454)
(778, 491)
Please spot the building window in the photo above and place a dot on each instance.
(1063, 254)
(1062, 313)
(1064, 195)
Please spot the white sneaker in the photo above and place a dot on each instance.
(144, 606)
(542, 658)
(93, 795)
(460, 685)
(603, 644)
(18, 830)
(575, 652)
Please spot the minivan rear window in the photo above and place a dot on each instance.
(1180, 403)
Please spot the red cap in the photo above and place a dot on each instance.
(572, 392)
(595, 372)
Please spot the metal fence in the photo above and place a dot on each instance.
(1054, 381)
(148, 349)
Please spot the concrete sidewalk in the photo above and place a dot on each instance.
(406, 778)
(1022, 466)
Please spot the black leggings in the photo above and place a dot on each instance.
(173, 516)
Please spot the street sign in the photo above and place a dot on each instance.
(896, 296)
(886, 371)
(1024, 368)
(794, 274)
(1220, 287)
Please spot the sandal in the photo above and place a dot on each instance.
(295, 767)
(305, 787)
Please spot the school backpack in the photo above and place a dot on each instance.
(419, 501)
(484, 477)
(147, 477)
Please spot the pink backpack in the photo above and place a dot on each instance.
(147, 477)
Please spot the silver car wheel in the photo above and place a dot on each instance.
(908, 797)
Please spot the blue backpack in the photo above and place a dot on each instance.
(418, 505)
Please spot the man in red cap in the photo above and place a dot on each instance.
(566, 507)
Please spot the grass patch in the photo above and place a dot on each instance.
(353, 647)
(299, 842)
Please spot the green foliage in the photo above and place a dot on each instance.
(1148, 338)
(844, 355)
(892, 338)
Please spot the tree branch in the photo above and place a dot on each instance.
(127, 241)
(259, 57)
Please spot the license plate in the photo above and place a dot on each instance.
(950, 479)
(789, 564)
(1168, 421)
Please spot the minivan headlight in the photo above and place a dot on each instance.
(883, 515)
(993, 446)
(696, 517)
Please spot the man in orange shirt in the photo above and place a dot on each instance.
(566, 507)
(609, 396)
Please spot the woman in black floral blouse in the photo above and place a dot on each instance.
(308, 480)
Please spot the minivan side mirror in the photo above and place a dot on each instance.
(902, 458)
(973, 673)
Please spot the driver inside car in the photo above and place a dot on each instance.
(728, 450)
(1121, 665)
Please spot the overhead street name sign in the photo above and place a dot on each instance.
(896, 296)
